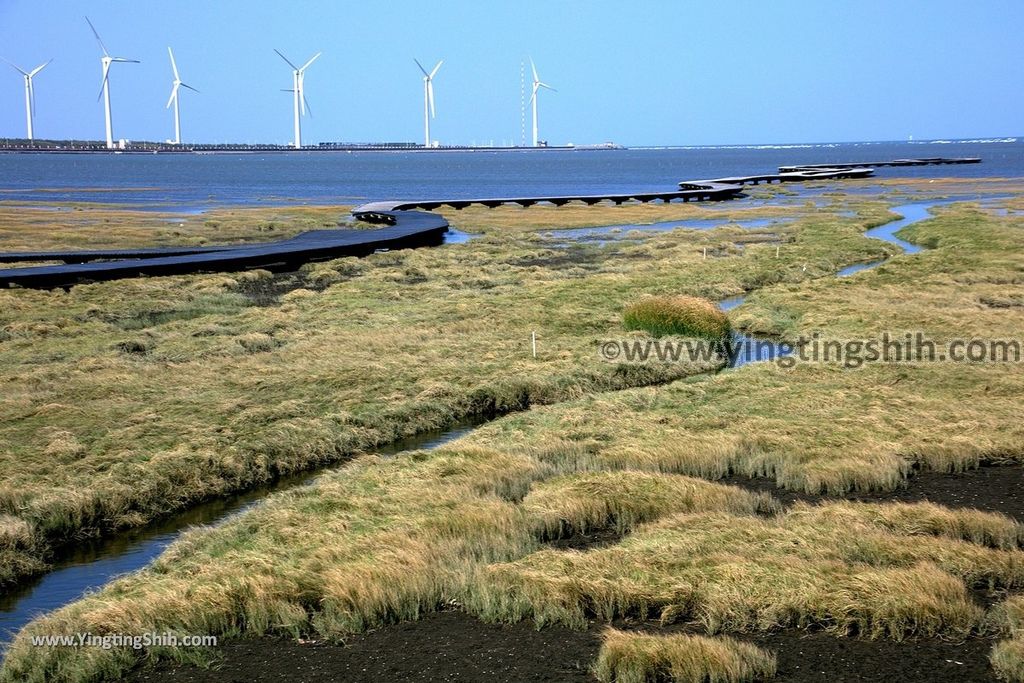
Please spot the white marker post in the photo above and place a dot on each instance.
(534, 338)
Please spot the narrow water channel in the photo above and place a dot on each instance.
(747, 349)
(90, 566)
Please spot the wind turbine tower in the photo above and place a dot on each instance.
(301, 105)
(107, 60)
(537, 85)
(30, 93)
(177, 85)
(428, 99)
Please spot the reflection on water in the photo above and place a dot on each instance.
(746, 349)
(732, 302)
(858, 267)
(454, 236)
(912, 213)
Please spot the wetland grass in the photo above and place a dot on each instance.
(384, 540)
(52, 226)
(686, 316)
(638, 658)
(129, 400)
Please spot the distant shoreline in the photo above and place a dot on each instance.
(160, 148)
(22, 146)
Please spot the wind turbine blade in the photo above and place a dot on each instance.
(98, 39)
(430, 97)
(174, 67)
(186, 85)
(545, 85)
(174, 95)
(421, 67)
(40, 68)
(434, 72)
(533, 66)
(285, 59)
(307, 108)
(15, 67)
(311, 60)
(103, 83)
(127, 61)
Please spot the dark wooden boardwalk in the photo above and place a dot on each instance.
(803, 174)
(926, 161)
(415, 229)
(401, 226)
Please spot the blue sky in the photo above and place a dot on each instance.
(637, 73)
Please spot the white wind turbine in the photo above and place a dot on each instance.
(537, 85)
(174, 98)
(301, 105)
(30, 93)
(428, 98)
(107, 60)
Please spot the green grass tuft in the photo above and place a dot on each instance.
(687, 316)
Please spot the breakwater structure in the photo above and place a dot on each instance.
(400, 224)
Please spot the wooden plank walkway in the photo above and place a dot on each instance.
(403, 226)
(926, 161)
(412, 231)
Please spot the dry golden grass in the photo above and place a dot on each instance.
(974, 258)
(599, 500)
(380, 541)
(637, 658)
(1007, 617)
(820, 427)
(982, 528)
(505, 219)
(1008, 660)
(131, 399)
(812, 428)
(849, 574)
(952, 185)
(61, 225)
(384, 540)
(19, 551)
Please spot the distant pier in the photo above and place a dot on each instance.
(926, 161)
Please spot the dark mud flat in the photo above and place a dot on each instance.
(444, 646)
(816, 657)
(597, 538)
(992, 488)
(451, 646)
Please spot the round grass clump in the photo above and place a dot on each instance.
(687, 316)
